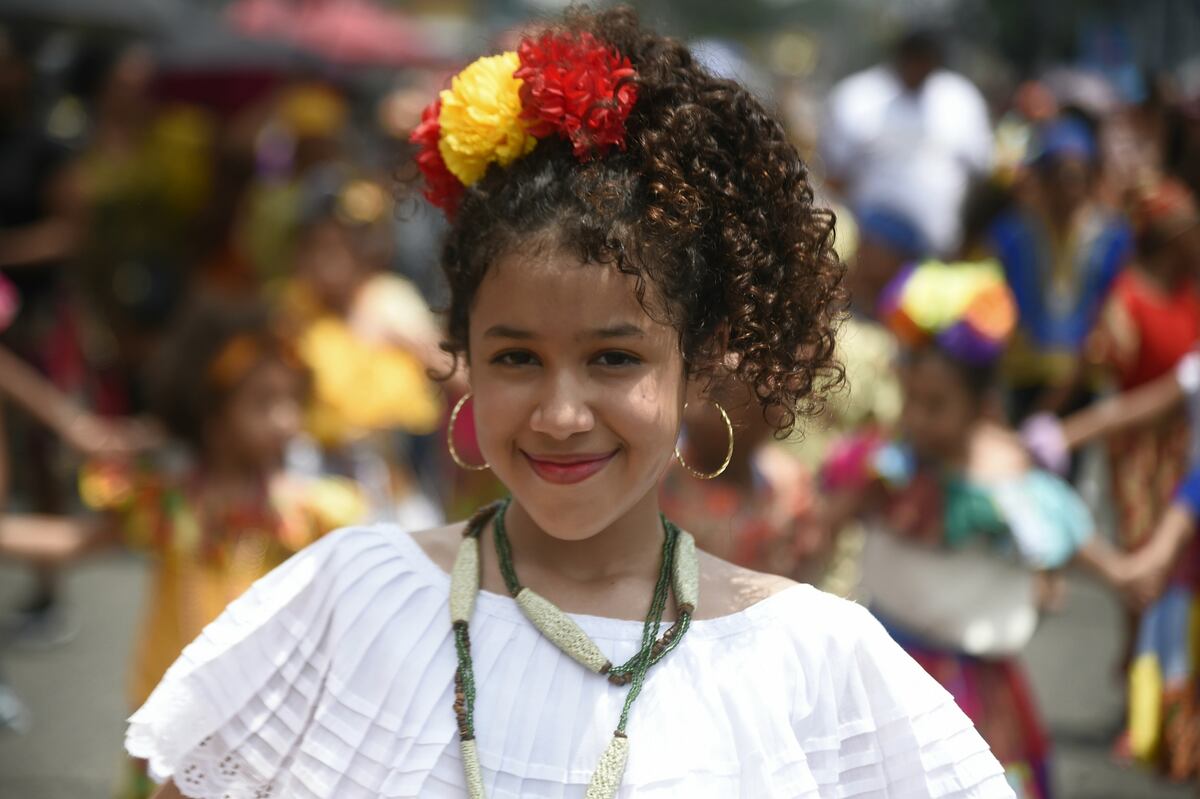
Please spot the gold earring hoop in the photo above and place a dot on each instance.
(458, 460)
(728, 452)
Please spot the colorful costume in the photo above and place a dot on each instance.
(1164, 718)
(949, 559)
(201, 563)
(1147, 329)
(948, 569)
(1060, 290)
(1059, 282)
(351, 426)
(1145, 332)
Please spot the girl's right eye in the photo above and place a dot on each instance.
(515, 358)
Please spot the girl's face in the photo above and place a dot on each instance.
(577, 391)
(939, 409)
(261, 416)
(326, 260)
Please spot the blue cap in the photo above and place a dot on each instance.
(1062, 138)
(891, 228)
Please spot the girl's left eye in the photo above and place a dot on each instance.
(617, 358)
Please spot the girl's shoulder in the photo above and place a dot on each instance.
(729, 589)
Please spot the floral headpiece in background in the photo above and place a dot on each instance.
(496, 110)
(964, 309)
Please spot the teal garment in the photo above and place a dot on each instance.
(1048, 520)
(1039, 514)
(970, 513)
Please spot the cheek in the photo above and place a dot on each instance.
(497, 411)
(648, 414)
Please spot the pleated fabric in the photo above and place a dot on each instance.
(333, 676)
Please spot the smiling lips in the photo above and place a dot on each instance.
(567, 469)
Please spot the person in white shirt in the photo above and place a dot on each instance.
(909, 134)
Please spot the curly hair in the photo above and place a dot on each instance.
(709, 204)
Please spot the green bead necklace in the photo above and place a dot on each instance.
(679, 571)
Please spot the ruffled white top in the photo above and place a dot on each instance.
(333, 676)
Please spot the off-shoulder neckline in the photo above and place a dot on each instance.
(600, 627)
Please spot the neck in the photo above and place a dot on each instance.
(629, 547)
(222, 465)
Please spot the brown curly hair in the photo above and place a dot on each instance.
(709, 203)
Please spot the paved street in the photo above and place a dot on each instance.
(77, 693)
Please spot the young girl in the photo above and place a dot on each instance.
(625, 226)
(354, 322)
(231, 391)
(959, 521)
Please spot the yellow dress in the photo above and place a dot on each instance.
(362, 381)
(196, 571)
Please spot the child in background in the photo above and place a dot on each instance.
(958, 520)
(370, 342)
(231, 391)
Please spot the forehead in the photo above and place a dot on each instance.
(550, 291)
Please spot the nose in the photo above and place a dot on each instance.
(286, 420)
(564, 409)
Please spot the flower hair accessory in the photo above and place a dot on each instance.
(496, 110)
(964, 309)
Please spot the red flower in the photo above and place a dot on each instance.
(577, 87)
(441, 187)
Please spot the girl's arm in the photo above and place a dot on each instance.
(1125, 410)
(1051, 440)
(82, 430)
(1151, 566)
(1103, 560)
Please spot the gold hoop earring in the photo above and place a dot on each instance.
(728, 453)
(458, 461)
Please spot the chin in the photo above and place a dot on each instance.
(571, 513)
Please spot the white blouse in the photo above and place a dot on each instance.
(333, 676)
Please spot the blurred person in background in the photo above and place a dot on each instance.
(1164, 710)
(887, 241)
(754, 509)
(40, 232)
(145, 178)
(959, 521)
(1061, 251)
(303, 134)
(118, 211)
(219, 509)
(909, 134)
(1148, 340)
(1151, 321)
(356, 324)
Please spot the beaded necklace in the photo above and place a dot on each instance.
(679, 571)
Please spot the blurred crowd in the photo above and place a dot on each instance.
(219, 340)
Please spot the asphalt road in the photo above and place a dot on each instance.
(76, 692)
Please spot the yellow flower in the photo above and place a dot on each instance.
(481, 118)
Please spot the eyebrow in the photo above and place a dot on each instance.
(623, 330)
(504, 331)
